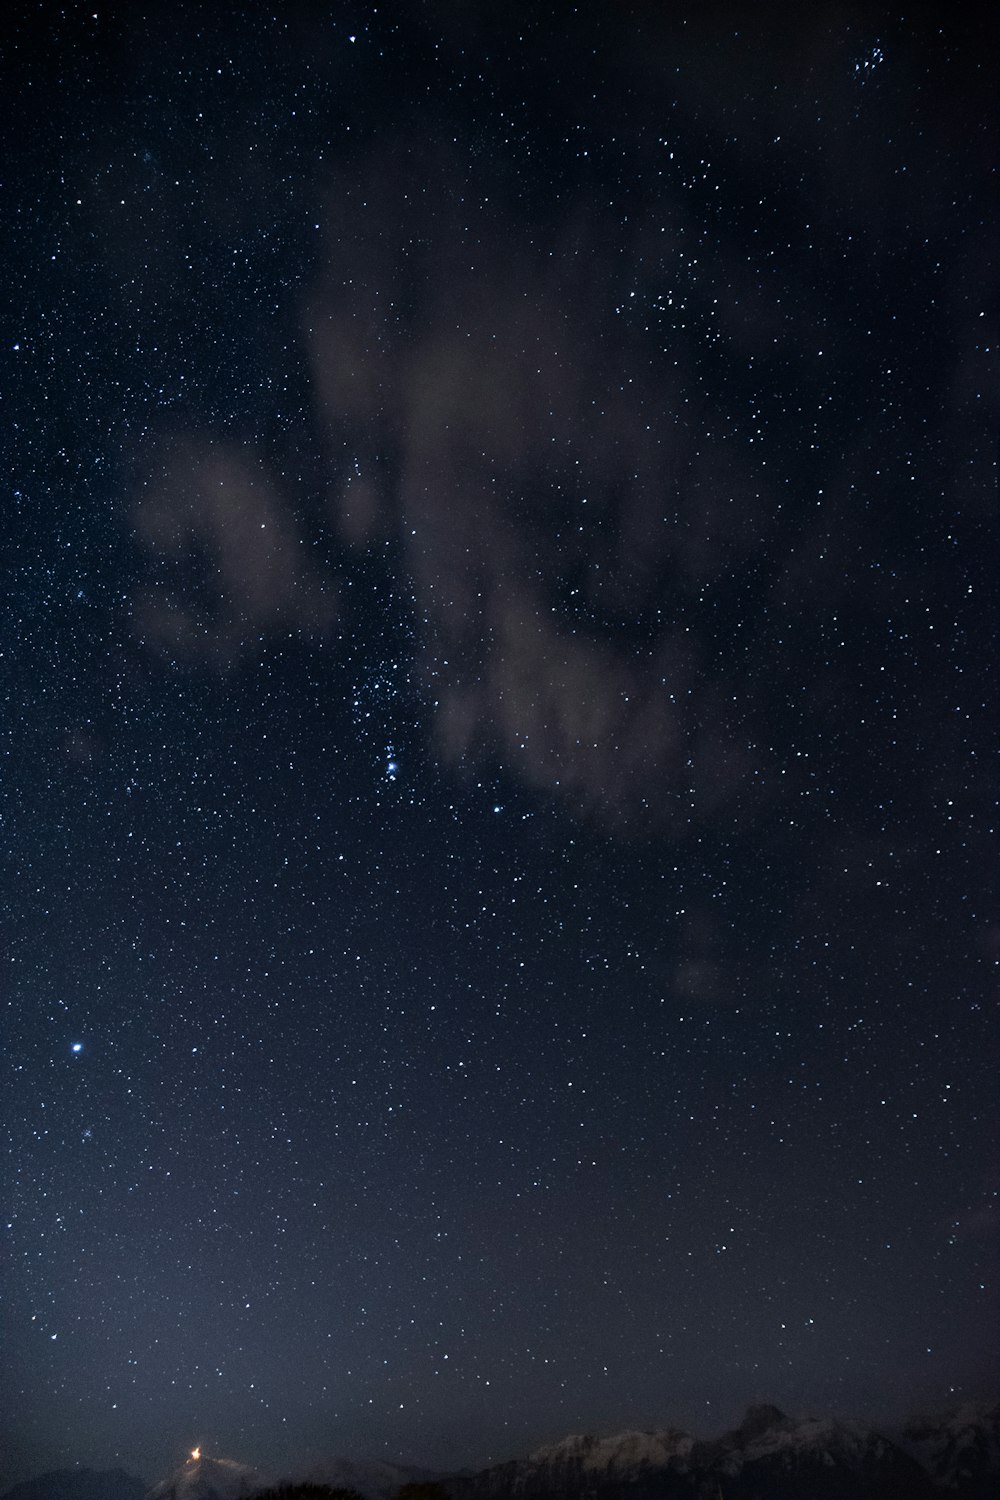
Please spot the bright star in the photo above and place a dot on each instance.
(77, 1047)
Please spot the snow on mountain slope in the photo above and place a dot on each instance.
(768, 1455)
(623, 1453)
(813, 1456)
(209, 1479)
(959, 1449)
(850, 1441)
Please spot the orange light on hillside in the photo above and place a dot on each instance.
(195, 1452)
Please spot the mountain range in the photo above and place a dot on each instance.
(769, 1456)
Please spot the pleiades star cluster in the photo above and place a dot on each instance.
(498, 734)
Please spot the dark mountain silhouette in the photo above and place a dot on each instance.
(769, 1456)
(960, 1451)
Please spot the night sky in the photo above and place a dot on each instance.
(499, 924)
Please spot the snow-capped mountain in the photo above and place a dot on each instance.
(209, 1479)
(583, 1466)
(627, 1453)
(784, 1458)
(960, 1450)
(768, 1457)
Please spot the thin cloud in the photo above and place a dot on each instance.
(213, 520)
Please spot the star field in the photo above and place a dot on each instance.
(499, 843)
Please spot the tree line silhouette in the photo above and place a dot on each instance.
(416, 1490)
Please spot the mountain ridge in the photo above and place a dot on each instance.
(768, 1456)
(201, 1478)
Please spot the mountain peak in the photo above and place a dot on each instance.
(201, 1478)
(760, 1419)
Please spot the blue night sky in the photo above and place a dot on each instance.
(498, 840)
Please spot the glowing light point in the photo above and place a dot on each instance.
(196, 1453)
(77, 1047)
